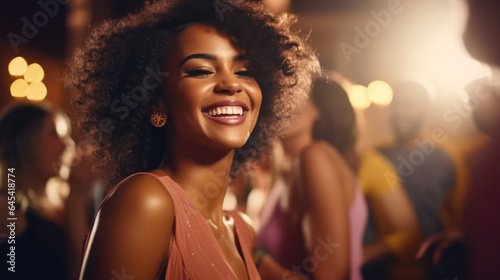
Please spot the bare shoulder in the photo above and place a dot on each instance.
(140, 199)
(143, 193)
(132, 230)
(321, 168)
(320, 153)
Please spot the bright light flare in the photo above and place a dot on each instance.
(380, 92)
(18, 66)
(37, 91)
(34, 73)
(19, 88)
(358, 95)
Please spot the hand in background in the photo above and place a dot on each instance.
(437, 243)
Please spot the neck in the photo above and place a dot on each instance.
(293, 146)
(203, 174)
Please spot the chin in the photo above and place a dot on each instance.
(229, 142)
(233, 144)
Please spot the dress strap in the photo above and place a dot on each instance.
(244, 240)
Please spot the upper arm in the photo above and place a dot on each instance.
(383, 186)
(131, 232)
(405, 235)
(381, 183)
(328, 212)
(398, 210)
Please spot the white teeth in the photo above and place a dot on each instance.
(226, 110)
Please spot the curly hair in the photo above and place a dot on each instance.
(112, 81)
(337, 124)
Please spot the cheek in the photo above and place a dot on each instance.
(53, 151)
(43, 159)
(254, 92)
(183, 104)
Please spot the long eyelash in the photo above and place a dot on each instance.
(246, 73)
(199, 72)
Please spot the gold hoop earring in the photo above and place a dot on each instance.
(158, 118)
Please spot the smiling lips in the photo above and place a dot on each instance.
(228, 112)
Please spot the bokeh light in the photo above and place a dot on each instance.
(380, 92)
(359, 97)
(19, 88)
(37, 91)
(31, 85)
(18, 66)
(34, 73)
(61, 126)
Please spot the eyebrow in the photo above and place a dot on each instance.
(241, 57)
(208, 56)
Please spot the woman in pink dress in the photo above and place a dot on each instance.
(175, 98)
(314, 219)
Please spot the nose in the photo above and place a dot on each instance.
(64, 143)
(228, 84)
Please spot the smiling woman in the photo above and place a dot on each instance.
(222, 76)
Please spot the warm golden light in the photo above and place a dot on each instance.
(34, 73)
(18, 66)
(37, 91)
(61, 126)
(19, 88)
(359, 97)
(380, 92)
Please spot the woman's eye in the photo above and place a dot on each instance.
(245, 73)
(199, 72)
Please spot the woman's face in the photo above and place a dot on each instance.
(50, 145)
(303, 119)
(212, 99)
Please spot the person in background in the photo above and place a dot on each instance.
(313, 221)
(50, 208)
(427, 172)
(481, 226)
(486, 116)
(337, 126)
(480, 230)
(392, 234)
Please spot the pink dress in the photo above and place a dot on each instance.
(285, 241)
(194, 251)
(358, 216)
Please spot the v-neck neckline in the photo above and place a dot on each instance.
(237, 239)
